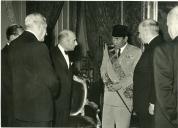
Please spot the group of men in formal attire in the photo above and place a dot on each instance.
(37, 81)
(141, 82)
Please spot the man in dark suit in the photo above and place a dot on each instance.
(12, 32)
(143, 89)
(33, 79)
(66, 42)
(166, 77)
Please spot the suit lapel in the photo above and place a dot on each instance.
(123, 54)
(60, 55)
(124, 51)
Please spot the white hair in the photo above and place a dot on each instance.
(172, 22)
(174, 12)
(34, 19)
(150, 24)
(64, 35)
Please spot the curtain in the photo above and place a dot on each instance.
(7, 18)
(78, 25)
(10, 11)
(51, 10)
(132, 17)
(81, 28)
(100, 17)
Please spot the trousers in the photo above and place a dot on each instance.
(115, 117)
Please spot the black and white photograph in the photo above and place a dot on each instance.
(89, 64)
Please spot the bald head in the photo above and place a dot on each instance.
(150, 25)
(172, 22)
(147, 30)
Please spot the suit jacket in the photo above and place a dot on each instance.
(166, 84)
(64, 74)
(6, 89)
(127, 60)
(33, 79)
(143, 90)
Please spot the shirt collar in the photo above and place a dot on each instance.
(152, 38)
(33, 33)
(122, 48)
(62, 49)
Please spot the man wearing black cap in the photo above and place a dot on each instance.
(117, 73)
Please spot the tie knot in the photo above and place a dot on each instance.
(66, 52)
(119, 52)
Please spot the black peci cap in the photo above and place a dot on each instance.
(120, 31)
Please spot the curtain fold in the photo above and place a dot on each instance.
(7, 18)
(78, 25)
(81, 28)
(10, 11)
(51, 10)
(100, 17)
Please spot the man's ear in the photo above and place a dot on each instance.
(11, 38)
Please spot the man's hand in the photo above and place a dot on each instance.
(78, 79)
(151, 109)
(128, 93)
(109, 86)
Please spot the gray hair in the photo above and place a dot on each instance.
(150, 24)
(34, 18)
(174, 13)
(64, 35)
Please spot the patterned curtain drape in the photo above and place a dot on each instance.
(7, 18)
(78, 25)
(10, 11)
(132, 17)
(51, 10)
(100, 17)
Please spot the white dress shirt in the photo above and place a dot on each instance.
(64, 54)
(122, 49)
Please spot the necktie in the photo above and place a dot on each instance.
(66, 52)
(119, 52)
